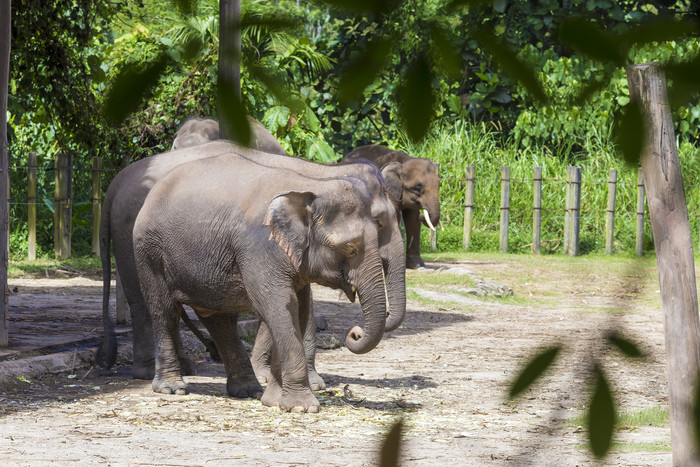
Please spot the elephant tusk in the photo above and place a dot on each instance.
(441, 226)
(426, 214)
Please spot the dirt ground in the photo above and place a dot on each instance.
(445, 373)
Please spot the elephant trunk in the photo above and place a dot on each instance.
(395, 280)
(370, 289)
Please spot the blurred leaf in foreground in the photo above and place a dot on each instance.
(392, 446)
(629, 133)
(601, 415)
(533, 370)
(417, 99)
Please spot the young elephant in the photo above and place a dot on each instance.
(223, 247)
(413, 185)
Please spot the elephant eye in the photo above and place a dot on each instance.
(378, 221)
(418, 188)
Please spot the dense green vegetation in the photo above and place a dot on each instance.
(326, 77)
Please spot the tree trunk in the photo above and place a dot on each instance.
(5, 27)
(674, 254)
(229, 52)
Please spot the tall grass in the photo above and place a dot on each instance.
(483, 146)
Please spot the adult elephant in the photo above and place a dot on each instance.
(222, 247)
(195, 131)
(413, 184)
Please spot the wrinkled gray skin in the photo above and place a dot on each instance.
(222, 247)
(122, 203)
(413, 185)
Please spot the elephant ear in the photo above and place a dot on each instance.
(289, 219)
(393, 178)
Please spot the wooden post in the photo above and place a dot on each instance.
(668, 213)
(610, 220)
(5, 36)
(62, 206)
(567, 210)
(468, 208)
(505, 208)
(639, 244)
(31, 206)
(96, 203)
(575, 218)
(537, 210)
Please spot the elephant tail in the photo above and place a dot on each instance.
(106, 353)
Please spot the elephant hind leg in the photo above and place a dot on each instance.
(168, 374)
(240, 377)
(411, 220)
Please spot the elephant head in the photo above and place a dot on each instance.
(331, 238)
(196, 131)
(414, 184)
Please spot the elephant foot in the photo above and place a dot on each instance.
(170, 386)
(300, 402)
(242, 389)
(139, 371)
(263, 373)
(186, 367)
(315, 381)
(414, 262)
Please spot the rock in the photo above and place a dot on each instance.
(327, 341)
(321, 323)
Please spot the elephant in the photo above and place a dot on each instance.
(391, 252)
(413, 184)
(196, 131)
(222, 247)
(125, 197)
(122, 203)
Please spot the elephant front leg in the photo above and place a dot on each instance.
(411, 220)
(240, 378)
(306, 309)
(289, 388)
(262, 352)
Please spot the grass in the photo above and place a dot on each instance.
(651, 416)
(23, 267)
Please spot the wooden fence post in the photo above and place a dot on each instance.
(31, 206)
(668, 213)
(537, 211)
(639, 244)
(96, 203)
(505, 208)
(62, 206)
(5, 36)
(610, 219)
(575, 211)
(567, 210)
(468, 208)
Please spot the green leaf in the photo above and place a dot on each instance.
(392, 446)
(416, 99)
(500, 5)
(624, 345)
(659, 31)
(511, 65)
(455, 4)
(533, 370)
(629, 133)
(232, 117)
(320, 151)
(362, 70)
(276, 117)
(589, 39)
(131, 86)
(449, 54)
(601, 415)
